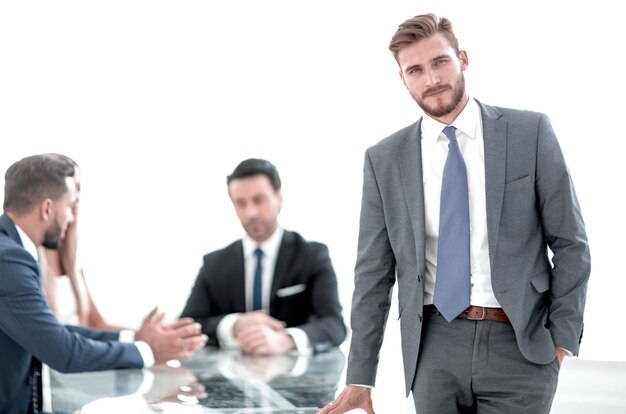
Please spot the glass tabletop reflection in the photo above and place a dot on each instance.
(212, 381)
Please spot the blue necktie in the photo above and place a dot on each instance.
(452, 286)
(257, 293)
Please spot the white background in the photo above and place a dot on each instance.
(158, 101)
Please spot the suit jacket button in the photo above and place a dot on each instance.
(419, 317)
(419, 278)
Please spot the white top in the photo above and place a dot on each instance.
(469, 132)
(67, 308)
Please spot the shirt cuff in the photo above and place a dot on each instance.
(301, 340)
(225, 331)
(146, 353)
(567, 351)
(361, 385)
(127, 336)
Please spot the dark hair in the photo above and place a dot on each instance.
(254, 166)
(421, 27)
(63, 157)
(33, 179)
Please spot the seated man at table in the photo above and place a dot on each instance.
(38, 197)
(272, 291)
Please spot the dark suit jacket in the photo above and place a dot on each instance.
(219, 290)
(531, 208)
(29, 329)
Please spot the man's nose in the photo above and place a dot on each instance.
(250, 211)
(432, 78)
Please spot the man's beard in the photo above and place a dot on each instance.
(437, 111)
(52, 236)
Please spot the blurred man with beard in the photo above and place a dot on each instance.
(461, 210)
(271, 292)
(39, 194)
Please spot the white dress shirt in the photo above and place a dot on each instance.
(469, 134)
(270, 248)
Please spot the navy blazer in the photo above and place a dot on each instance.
(303, 294)
(29, 329)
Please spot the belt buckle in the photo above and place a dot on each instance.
(482, 317)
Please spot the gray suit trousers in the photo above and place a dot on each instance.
(470, 366)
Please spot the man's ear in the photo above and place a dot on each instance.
(45, 209)
(464, 59)
(279, 194)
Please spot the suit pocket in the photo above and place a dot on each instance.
(517, 184)
(541, 282)
(290, 290)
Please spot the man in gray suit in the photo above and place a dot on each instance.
(488, 337)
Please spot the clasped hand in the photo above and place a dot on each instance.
(174, 340)
(260, 334)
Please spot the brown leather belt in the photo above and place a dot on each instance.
(479, 313)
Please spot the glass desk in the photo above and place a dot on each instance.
(213, 381)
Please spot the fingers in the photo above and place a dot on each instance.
(262, 340)
(189, 330)
(189, 346)
(352, 397)
(257, 318)
(274, 324)
(183, 348)
(254, 340)
(261, 317)
(151, 314)
(256, 347)
(178, 323)
(336, 407)
(158, 317)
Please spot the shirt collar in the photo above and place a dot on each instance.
(467, 122)
(27, 243)
(270, 246)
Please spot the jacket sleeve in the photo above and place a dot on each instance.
(26, 318)
(324, 327)
(373, 282)
(201, 308)
(564, 232)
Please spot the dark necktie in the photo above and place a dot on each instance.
(452, 285)
(257, 293)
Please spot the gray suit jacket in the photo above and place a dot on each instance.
(531, 206)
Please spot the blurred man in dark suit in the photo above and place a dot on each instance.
(272, 291)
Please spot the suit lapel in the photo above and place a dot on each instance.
(237, 293)
(494, 135)
(285, 252)
(410, 162)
